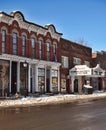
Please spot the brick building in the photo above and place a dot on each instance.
(29, 58)
(73, 54)
(37, 59)
(99, 58)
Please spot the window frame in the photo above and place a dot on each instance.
(15, 42)
(3, 41)
(23, 45)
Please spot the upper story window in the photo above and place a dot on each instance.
(33, 46)
(76, 60)
(64, 60)
(23, 45)
(48, 50)
(87, 63)
(40, 49)
(3, 41)
(15, 42)
(54, 52)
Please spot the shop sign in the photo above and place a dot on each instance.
(80, 70)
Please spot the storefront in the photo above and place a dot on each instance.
(18, 73)
(97, 80)
(4, 77)
(82, 74)
(63, 83)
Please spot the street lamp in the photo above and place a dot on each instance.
(25, 64)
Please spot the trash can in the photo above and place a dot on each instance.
(88, 89)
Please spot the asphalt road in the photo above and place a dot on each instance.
(80, 116)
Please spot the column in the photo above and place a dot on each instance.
(18, 76)
(10, 77)
(36, 78)
(51, 79)
(33, 78)
(72, 84)
(29, 79)
(80, 85)
(45, 78)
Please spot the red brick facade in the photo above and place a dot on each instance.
(17, 46)
(71, 49)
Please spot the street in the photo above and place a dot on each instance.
(78, 116)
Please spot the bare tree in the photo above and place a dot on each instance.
(81, 41)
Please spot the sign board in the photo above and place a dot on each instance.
(80, 70)
(98, 72)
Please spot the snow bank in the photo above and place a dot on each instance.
(46, 100)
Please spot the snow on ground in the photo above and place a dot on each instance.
(55, 99)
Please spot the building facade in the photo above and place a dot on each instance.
(73, 54)
(99, 58)
(29, 56)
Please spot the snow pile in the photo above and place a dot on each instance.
(45, 100)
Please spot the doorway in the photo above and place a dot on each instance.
(14, 78)
(48, 81)
(76, 85)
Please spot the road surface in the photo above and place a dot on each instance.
(78, 116)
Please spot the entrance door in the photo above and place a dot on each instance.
(48, 80)
(76, 85)
(100, 84)
(14, 78)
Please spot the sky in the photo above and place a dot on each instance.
(77, 20)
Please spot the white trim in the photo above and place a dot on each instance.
(18, 76)
(29, 80)
(10, 77)
(29, 60)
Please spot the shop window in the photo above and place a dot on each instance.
(55, 80)
(41, 79)
(4, 77)
(63, 85)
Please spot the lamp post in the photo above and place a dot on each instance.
(25, 64)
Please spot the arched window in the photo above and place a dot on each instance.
(40, 48)
(48, 50)
(15, 43)
(54, 51)
(23, 45)
(3, 41)
(33, 44)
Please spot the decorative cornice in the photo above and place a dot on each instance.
(19, 17)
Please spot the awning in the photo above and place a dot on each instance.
(84, 70)
(80, 70)
(98, 71)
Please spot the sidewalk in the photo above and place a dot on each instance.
(47, 100)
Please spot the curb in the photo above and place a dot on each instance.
(51, 100)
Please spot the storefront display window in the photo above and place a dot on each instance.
(41, 79)
(4, 77)
(63, 85)
(55, 80)
(23, 76)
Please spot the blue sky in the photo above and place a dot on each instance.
(76, 19)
